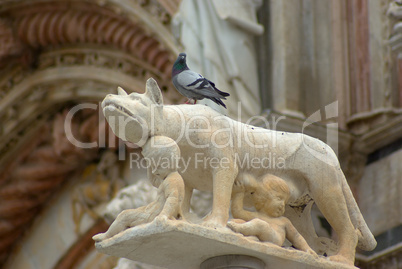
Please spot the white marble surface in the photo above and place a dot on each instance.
(177, 244)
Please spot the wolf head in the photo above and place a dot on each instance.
(130, 116)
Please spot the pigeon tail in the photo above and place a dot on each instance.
(217, 90)
(221, 92)
(218, 101)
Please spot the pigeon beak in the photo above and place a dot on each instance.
(120, 91)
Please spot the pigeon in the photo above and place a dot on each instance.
(194, 86)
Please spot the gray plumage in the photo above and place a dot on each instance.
(194, 86)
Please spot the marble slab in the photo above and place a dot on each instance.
(177, 244)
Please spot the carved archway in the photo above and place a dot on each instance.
(56, 54)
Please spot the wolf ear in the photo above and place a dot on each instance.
(153, 92)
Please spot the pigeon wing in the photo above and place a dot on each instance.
(189, 79)
(197, 84)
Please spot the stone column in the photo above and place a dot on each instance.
(380, 56)
(285, 36)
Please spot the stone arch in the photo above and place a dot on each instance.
(60, 53)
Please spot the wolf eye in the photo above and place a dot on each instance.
(137, 98)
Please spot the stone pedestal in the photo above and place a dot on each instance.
(233, 261)
(176, 244)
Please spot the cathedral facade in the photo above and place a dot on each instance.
(330, 69)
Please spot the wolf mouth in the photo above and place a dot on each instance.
(109, 105)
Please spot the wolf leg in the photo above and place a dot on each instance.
(188, 192)
(327, 192)
(222, 191)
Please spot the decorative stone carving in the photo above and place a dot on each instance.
(102, 181)
(42, 89)
(395, 11)
(170, 185)
(143, 193)
(10, 46)
(268, 224)
(214, 153)
(133, 196)
(98, 27)
(35, 85)
(39, 169)
(90, 23)
(162, 12)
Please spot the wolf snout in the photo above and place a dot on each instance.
(106, 101)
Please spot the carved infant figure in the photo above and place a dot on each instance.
(268, 224)
(163, 155)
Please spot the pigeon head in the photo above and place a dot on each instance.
(179, 65)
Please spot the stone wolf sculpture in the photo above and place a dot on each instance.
(309, 166)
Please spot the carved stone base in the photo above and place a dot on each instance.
(177, 244)
(233, 261)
